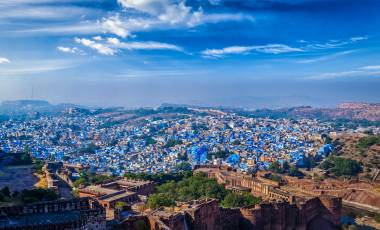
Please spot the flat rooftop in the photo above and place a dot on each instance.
(99, 189)
(118, 196)
(132, 183)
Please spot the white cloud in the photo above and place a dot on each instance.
(4, 60)
(99, 47)
(97, 38)
(72, 50)
(114, 45)
(270, 49)
(114, 25)
(361, 38)
(365, 71)
(123, 27)
(371, 67)
(164, 14)
(155, 7)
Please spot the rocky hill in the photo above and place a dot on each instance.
(345, 111)
(362, 148)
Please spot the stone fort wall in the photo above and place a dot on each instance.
(277, 216)
(92, 215)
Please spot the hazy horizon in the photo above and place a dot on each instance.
(250, 54)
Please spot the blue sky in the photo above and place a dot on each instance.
(251, 53)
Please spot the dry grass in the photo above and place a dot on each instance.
(369, 157)
(42, 183)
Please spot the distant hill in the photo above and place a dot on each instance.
(350, 111)
(345, 111)
(31, 108)
(23, 104)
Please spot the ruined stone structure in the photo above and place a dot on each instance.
(108, 194)
(317, 213)
(82, 213)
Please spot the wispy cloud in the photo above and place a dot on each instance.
(335, 43)
(360, 38)
(34, 2)
(371, 67)
(269, 49)
(23, 68)
(81, 28)
(4, 60)
(111, 46)
(45, 17)
(148, 45)
(138, 74)
(326, 57)
(44, 12)
(365, 71)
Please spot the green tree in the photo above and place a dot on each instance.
(276, 167)
(37, 195)
(79, 181)
(293, 171)
(149, 141)
(120, 205)
(189, 188)
(183, 166)
(219, 154)
(38, 165)
(160, 199)
(183, 157)
(233, 200)
(172, 143)
(377, 217)
(366, 142)
(140, 225)
(236, 142)
(90, 148)
(5, 192)
(341, 166)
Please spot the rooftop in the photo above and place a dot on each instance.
(119, 196)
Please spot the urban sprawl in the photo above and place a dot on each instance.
(116, 143)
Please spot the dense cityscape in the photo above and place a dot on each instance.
(155, 166)
(163, 143)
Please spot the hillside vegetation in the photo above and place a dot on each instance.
(197, 187)
(360, 147)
